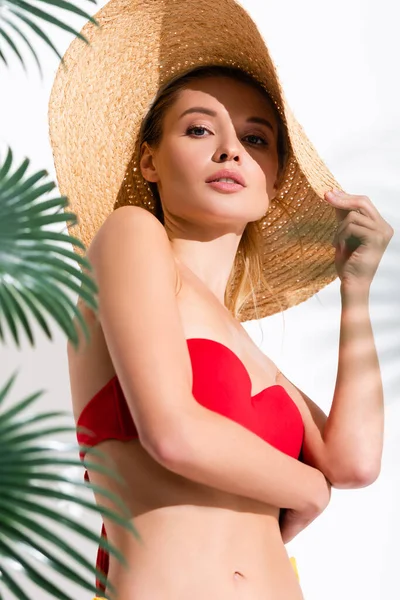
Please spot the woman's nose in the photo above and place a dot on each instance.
(229, 149)
(229, 156)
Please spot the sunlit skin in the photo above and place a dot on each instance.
(205, 227)
(204, 224)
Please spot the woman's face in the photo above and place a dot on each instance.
(234, 134)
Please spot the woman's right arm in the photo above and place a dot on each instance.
(138, 310)
(218, 452)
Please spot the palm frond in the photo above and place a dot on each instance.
(22, 10)
(26, 460)
(12, 46)
(27, 42)
(36, 270)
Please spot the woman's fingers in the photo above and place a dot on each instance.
(347, 202)
(357, 218)
(353, 218)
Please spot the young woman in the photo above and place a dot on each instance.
(210, 438)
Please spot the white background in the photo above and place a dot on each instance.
(339, 66)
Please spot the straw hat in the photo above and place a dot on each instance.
(98, 102)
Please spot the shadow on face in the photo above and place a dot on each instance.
(215, 123)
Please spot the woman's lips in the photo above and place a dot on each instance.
(225, 186)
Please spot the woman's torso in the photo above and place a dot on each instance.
(197, 542)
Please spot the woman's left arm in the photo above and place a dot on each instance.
(353, 433)
(347, 445)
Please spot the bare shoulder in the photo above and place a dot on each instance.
(135, 270)
(132, 223)
(133, 232)
(136, 214)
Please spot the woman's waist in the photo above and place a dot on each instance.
(178, 559)
(198, 528)
(213, 586)
(183, 541)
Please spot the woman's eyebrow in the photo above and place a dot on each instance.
(212, 113)
(261, 121)
(199, 109)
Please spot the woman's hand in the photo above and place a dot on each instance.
(292, 522)
(361, 238)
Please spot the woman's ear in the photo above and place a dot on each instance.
(278, 182)
(147, 165)
(275, 188)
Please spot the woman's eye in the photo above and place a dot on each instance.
(263, 141)
(194, 127)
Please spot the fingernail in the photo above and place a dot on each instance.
(337, 192)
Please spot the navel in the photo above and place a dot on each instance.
(237, 575)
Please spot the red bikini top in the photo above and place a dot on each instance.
(222, 384)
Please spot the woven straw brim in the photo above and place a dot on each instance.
(100, 97)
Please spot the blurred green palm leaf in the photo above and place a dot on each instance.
(12, 12)
(33, 269)
(28, 462)
(38, 270)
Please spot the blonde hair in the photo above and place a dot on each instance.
(248, 259)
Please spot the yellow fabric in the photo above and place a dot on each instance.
(292, 560)
(294, 565)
